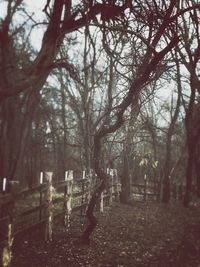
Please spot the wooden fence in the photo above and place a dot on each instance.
(21, 210)
(24, 209)
(146, 190)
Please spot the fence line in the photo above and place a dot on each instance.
(69, 195)
(145, 190)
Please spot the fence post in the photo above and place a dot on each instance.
(4, 185)
(116, 185)
(68, 198)
(6, 245)
(145, 187)
(6, 227)
(49, 210)
(111, 174)
(83, 192)
(102, 202)
(41, 182)
(88, 186)
(91, 180)
(65, 199)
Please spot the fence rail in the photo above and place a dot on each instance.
(144, 191)
(21, 210)
(27, 208)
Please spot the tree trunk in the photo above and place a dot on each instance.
(189, 173)
(166, 189)
(17, 115)
(144, 71)
(166, 193)
(191, 137)
(125, 195)
(167, 166)
(85, 238)
(197, 169)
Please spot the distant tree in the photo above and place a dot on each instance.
(24, 72)
(127, 154)
(189, 52)
(170, 132)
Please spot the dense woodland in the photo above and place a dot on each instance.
(101, 84)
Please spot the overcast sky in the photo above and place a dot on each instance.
(34, 8)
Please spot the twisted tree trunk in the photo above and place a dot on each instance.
(85, 238)
(150, 63)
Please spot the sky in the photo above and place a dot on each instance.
(35, 9)
(35, 6)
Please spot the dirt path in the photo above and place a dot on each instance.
(141, 235)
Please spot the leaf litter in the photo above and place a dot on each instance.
(144, 234)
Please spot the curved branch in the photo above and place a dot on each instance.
(144, 73)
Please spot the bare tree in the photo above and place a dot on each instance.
(22, 77)
(148, 65)
(190, 55)
(170, 132)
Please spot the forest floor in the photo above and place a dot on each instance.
(138, 235)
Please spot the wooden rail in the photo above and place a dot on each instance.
(45, 201)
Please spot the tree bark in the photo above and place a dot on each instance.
(15, 128)
(189, 173)
(85, 238)
(125, 195)
(197, 168)
(167, 165)
(190, 141)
